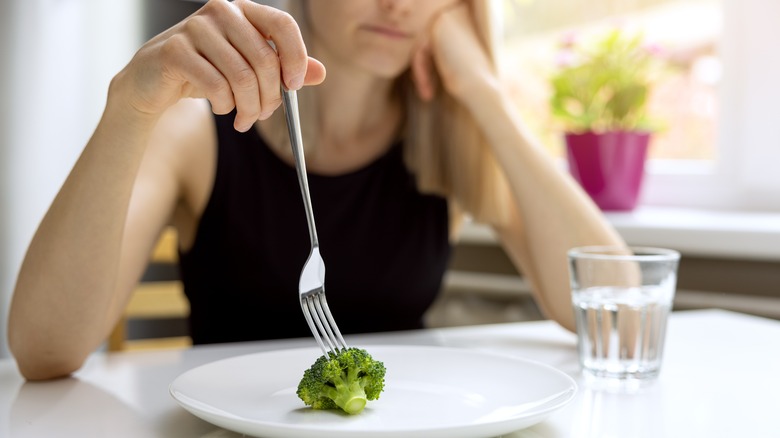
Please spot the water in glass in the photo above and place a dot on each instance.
(621, 330)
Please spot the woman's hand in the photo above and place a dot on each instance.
(221, 53)
(454, 50)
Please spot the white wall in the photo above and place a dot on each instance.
(56, 60)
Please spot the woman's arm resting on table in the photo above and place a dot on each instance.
(551, 213)
(94, 241)
(64, 292)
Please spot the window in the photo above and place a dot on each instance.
(719, 99)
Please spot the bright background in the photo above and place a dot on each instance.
(56, 60)
(719, 153)
(719, 98)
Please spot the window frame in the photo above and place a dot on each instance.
(742, 177)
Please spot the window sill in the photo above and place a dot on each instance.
(709, 233)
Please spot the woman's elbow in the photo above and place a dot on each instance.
(39, 361)
(559, 311)
(46, 370)
(565, 320)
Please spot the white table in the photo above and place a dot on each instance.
(721, 378)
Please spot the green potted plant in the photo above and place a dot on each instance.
(600, 93)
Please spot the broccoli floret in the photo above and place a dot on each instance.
(342, 381)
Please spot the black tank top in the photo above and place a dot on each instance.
(385, 246)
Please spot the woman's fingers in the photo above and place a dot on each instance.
(263, 60)
(423, 72)
(236, 54)
(279, 27)
(315, 72)
(248, 30)
(297, 68)
(231, 62)
(200, 78)
(458, 54)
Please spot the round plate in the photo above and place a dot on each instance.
(430, 392)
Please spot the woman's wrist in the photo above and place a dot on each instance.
(481, 93)
(119, 107)
(483, 96)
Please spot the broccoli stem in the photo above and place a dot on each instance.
(353, 405)
(348, 394)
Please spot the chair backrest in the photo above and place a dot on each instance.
(156, 315)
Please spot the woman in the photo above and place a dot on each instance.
(409, 132)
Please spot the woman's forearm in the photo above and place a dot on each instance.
(64, 288)
(554, 212)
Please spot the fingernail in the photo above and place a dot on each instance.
(295, 83)
(245, 127)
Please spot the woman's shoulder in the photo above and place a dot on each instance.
(184, 143)
(188, 122)
(184, 138)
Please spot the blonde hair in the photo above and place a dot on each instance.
(443, 146)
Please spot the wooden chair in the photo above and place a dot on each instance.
(158, 297)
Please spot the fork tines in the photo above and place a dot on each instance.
(315, 309)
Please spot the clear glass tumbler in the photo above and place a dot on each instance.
(622, 298)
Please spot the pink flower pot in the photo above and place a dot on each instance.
(610, 166)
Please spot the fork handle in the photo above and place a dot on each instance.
(290, 99)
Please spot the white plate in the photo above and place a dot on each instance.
(429, 392)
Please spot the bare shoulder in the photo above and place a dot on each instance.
(184, 141)
(186, 125)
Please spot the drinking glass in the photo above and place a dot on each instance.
(622, 297)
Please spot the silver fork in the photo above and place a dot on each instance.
(311, 286)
